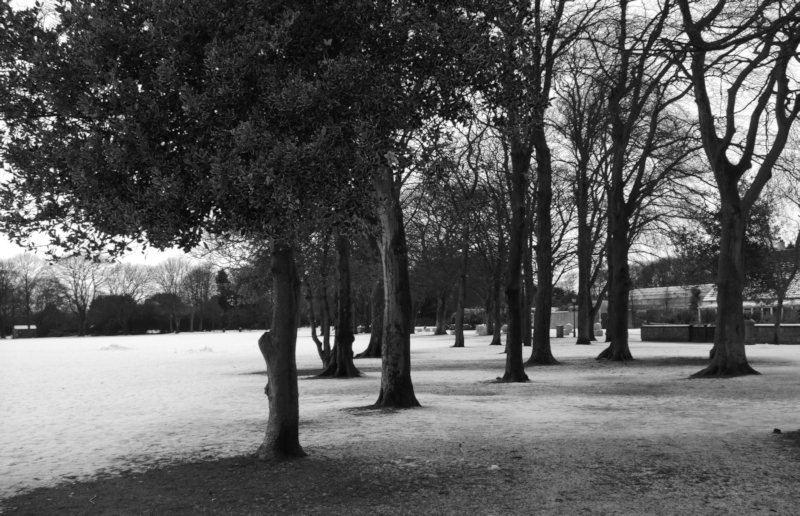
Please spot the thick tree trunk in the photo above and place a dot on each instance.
(441, 312)
(396, 387)
(374, 349)
(729, 353)
(620, 279)
(277, 346)
(585, 323)
(341, 365)
(520, 162)
(542, 353)
(462, 289)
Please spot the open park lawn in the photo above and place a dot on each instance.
(165, 424)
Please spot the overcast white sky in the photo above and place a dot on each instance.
(149, 257)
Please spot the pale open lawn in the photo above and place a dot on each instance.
(627, 438)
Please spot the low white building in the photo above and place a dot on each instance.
(23, 331)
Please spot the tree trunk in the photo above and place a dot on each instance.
(462, 288)
(497, 280)
(585, 323)
(396, 387)
(497, 307)
(488, 310)
(341, 364)
(777, 326)
(520, 162)
(619, 277)
(542, 353)
(376, 336)
(277, 346)
(191, 319)
(312, 319)
(729, 354)
(529, 297)
(81, 322)
(441, 312)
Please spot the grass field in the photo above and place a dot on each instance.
(165, 423)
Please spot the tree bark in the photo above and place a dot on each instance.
(374, 349)
(620, 279)
(520, 162)
(277, 346)
(396, 388)
(542, 353)
(441, 312)
(585, 323)
(729, 355)
(341, 365)
(498, 291)
(529, 297)
(462, 288)
(312, 319)
(778, 316)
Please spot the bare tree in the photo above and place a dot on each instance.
(169, 277)
(749, 52)
(80, 280)
(197, 285)
(28, 270)
(127, 279)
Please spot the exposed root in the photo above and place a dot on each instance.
(725, 369)
(336, 370)
(542, 359)
(615, 355)
(284, 446)
(367, 354)
(397, 399)
(513, 377)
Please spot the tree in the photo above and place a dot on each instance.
(159, 122)
(341, 364)
(168, 307)
(28, 270)
(750, 51)
(81, 281)
(582, 123)
(197, 285)
(524, 42)
(7, 283)
(648, 143)
(170, 278)
(128, 279)
(110, 314)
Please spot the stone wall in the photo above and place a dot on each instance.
(677, 333)
(787, 334)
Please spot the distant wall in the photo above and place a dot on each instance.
(787, 334)
(677, 333)
(561, 319)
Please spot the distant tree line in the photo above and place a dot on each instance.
(74, 296)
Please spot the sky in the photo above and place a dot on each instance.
(148, 257)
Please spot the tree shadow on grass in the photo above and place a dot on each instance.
(239, 485)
